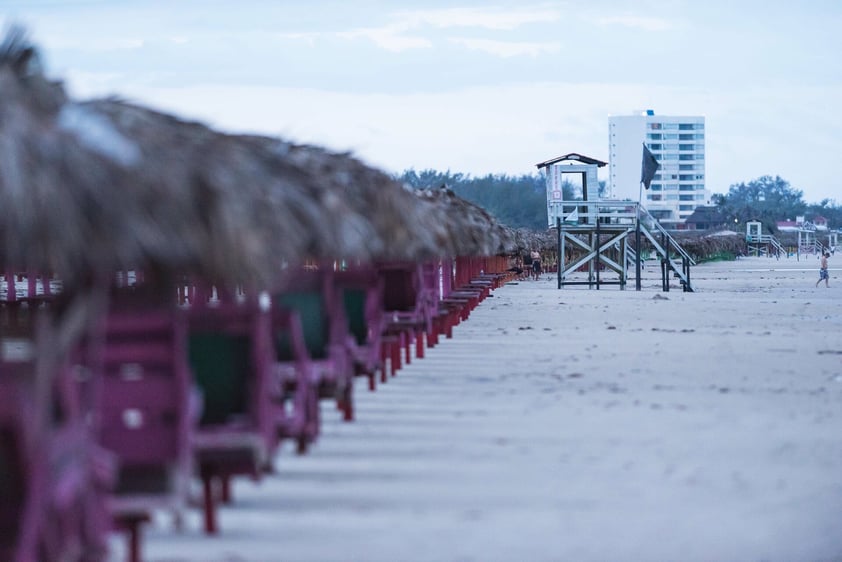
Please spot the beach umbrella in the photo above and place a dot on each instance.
(105, 185)
(473, 231)
(399, 226)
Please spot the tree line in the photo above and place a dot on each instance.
(772, 199)
(521, 201)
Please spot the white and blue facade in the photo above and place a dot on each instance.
(678, 143)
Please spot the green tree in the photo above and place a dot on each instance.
(827, 209)
(766, 199)
(517, 201)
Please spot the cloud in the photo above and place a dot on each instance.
(390, 37)
(395, 36)
(486, 18)
(638, 22)
(102, 43)
(508, 48)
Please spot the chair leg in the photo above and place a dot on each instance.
(419, 344)
(348, 404)
(132, 524)
(225, 489)
(209, 506)
(396, 357)
(385, 347)
(301, 445)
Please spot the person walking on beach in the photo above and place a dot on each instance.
(823, 270)
(536, 264)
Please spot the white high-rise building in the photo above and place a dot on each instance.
(678, 143)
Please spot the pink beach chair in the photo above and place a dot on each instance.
(315, 297)
(408, 309)
(146, 412)
(361, 291)
(232, 358)
(296, 379)
(53, 477)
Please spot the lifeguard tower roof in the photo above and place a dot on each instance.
(573, 156)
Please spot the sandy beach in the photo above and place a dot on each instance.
(576, 424)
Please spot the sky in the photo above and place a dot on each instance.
(472, 87)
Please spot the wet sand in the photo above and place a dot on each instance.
(576, 424)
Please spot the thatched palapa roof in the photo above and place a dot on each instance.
(473, 231)
(104, 185)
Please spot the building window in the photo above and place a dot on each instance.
(655, 136)
(686, 147)
(687, 157)
(654, 125)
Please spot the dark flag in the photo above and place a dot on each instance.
(648, 167)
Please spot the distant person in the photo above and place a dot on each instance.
(823, 270)
(536, 264)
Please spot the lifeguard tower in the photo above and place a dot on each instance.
(593, 234)
(808, 242)
(760, 244)
(832, 240)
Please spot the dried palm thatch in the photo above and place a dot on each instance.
(527, 240)
(712, 246)
(104, 185)
(399, 226)
(473, 231)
